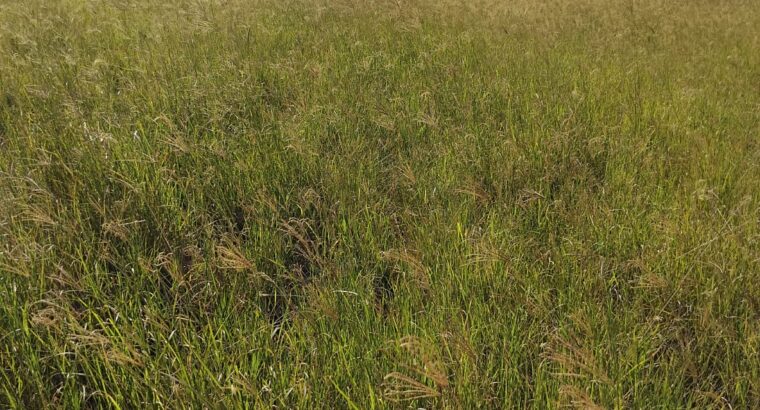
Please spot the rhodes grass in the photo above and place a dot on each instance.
(372, 204)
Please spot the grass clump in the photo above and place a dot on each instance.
(369, 204)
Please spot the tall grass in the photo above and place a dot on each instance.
(372, 204)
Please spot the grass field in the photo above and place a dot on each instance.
(376, 204)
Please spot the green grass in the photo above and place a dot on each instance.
(377, 204)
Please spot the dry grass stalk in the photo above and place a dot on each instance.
(427, 366)
(573, 357)
(418, 271)
(578, 398)
(303, 233)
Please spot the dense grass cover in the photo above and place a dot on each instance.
(370, 204)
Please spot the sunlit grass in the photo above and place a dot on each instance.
(371, 204)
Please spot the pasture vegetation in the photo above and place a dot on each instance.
(372, 204)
